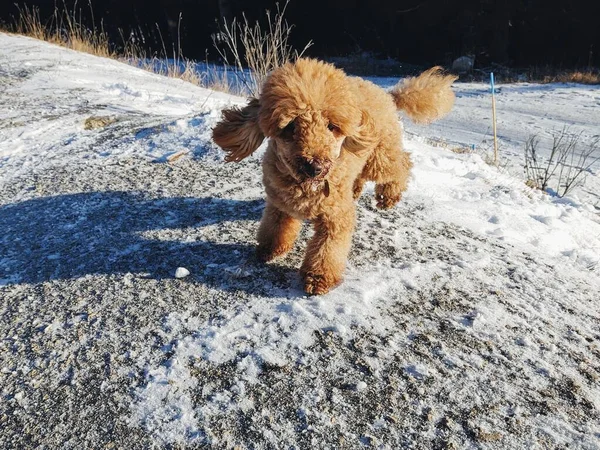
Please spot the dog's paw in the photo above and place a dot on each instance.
(319, 284)
(387, 195)
(384, 202)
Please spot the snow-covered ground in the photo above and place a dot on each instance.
(523, 110)
(469, 317)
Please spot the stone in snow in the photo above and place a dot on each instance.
(361, 386)
(181, 272)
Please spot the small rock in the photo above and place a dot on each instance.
(360, 386)
(20, 398)
(181, 272)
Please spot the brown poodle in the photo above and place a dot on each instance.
(329, 134)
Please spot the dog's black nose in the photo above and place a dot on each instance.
(313, 168)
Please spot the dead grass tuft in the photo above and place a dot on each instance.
(462, 150)
(66, 29)
(95, 122)
(547, 74)
(588, 77)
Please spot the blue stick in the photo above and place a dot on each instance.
(494, 118)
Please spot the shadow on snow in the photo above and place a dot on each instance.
(70, 236)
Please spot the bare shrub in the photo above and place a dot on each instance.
(254, 52)
(566, 165)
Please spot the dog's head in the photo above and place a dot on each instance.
(309, 109)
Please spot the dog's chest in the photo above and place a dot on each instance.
(301, 201)
(307, 200)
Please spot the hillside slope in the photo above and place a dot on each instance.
(469, 317)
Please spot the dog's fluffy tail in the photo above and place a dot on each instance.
(427, 97)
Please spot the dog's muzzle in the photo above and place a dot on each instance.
(314, 168)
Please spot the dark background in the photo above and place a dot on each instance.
(514, 33)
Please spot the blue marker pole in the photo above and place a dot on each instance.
(494, 118)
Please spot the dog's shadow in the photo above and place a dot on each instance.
(71, 236)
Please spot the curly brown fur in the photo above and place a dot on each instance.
(238, 133)
(329, 134)
(427, 97)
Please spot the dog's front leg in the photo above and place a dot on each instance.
(276, 234)
(327, 252)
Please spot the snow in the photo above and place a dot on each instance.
(463, 190)
(86, 86)
(469, 314)
(523, 110)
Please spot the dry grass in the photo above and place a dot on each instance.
(250, 47)
(536, 74)
(588, 77)
(462, 150)
(66, 29)
(546, 74)
(182, 69)
(95, 122)
(245, 46)
(209, 76)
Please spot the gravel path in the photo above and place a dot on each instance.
(92, 257)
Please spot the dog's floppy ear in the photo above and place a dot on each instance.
(238, 132)
(364, 138)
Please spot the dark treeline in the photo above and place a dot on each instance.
(516, 33)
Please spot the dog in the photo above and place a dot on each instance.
(328, 134)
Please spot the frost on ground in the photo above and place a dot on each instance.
(469, 317)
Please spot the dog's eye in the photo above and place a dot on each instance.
(288, 130)
(333, 128)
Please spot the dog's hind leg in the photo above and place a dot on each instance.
(327, 252)
(276, 234)
(390, 168)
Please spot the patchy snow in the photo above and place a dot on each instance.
(134, 314)
(523, 110)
